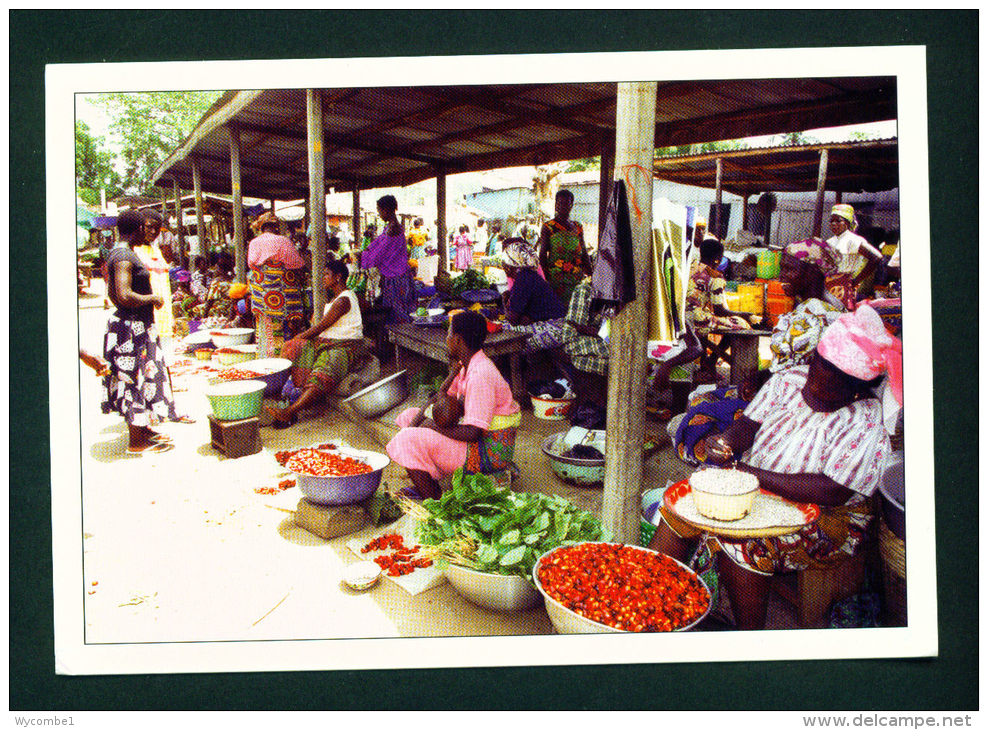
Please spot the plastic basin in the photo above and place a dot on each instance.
(344, 490)
(273, 372)
(581, 472)
(236, 400)
(231, 336)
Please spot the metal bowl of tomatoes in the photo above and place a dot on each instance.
(612, 588)
(337, 476)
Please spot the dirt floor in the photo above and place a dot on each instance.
(179, 547)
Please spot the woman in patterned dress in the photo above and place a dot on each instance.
(137, 386)
(276, 275)
(562, 253)
(812, 434)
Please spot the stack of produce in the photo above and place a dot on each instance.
(492, 529)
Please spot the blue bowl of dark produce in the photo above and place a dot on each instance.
(480, 295)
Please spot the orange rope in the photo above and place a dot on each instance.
(634, 193)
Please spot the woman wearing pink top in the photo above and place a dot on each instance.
(275, 279)
(484, 436)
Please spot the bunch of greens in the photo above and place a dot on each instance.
(508, 530)
(469, 279)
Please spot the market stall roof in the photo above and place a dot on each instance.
(382, 137)
(852, 167)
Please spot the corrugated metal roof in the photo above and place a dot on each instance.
(852, 167)
(381, 137)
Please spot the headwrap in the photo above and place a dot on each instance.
(814, 251)
(519, 253)
(179, 274)
(846, 212)
(238, 291)
(268, 217)
(859, 345)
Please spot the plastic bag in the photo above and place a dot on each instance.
(614, 271)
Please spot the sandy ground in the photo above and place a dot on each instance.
(179, 547)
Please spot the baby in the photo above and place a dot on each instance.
(447, 412)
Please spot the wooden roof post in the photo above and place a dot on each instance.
(821, 183)
(441, 243)
(744, 214)
(317, 199)
(200, 217)
(180, 235)
(634, 154)
(239, 244)
(714, 226)
(355, 225)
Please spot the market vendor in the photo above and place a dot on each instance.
(858, 258)
(562, 252)
(588, 352)
(531, 305)
(388, 253)
(812, 434)
(803, 271)
(484, 438)
(327, 351)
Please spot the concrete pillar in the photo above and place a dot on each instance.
(317, 199)
(239, 244)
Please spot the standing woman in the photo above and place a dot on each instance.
(858, 258)
(137, 386)
(275, 286)
(389, 255)
(562, 253)
(464, 249)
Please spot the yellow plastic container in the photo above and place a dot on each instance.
(751, 298)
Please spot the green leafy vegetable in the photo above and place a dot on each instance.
(509, 530)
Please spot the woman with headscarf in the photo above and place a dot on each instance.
(276, 282)
(483, 440)
(813, 434)
(531, 305)
(388, 253)
(858, 258)
(464, 250)
(137, 386)
(804, 268)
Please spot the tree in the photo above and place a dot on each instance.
(700, 148)
(94, 166)
(149, 126)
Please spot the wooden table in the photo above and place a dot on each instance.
(743, 356)
(430, 342)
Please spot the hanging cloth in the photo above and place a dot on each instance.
(613, 277)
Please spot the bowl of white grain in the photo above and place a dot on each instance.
(723, 494)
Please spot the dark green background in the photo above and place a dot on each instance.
(949, 682)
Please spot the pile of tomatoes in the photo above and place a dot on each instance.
(624, 587)
(282, 486)
(321, 464)
(399, 562)
(234, 374)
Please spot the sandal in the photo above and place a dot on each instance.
(155, 447)
(184, 419)
(160, 438)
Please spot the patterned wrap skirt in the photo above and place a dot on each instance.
(546, 335)
(276, 300)
(138, 386)
(834, 537)
(323, 364)
(398, 294)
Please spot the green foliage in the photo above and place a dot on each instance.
(584, 164)
(702, 147)
(94, 166)
(149, 126)
(510, 530)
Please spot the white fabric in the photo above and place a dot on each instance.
(849, 445)
(894, 259)
(348, 327)
(849, 244)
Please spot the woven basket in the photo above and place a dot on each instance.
(893, 552)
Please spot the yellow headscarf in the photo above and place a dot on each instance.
(846, 212)
(238, 291)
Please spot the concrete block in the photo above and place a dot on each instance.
(328, 522)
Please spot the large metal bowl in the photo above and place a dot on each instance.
(344, 490)
(491, 591)
(274, 371)
(581, 472)
(231, 336)
(893, 491)
(569, 622)
(381, 396)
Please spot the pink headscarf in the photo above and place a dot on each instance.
(814, 251)
(859, 345)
